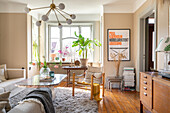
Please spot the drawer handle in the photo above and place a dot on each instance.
(145, 94)
(145, 76)
(144, 82)
(145, 88)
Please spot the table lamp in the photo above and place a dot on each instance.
(164, 46)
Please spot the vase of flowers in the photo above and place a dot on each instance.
(63, 54)
(44, 71)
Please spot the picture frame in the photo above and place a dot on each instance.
(118, 41)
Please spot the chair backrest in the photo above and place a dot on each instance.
(95, 69)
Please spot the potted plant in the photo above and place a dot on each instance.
(84, 46)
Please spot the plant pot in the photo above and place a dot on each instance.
(84, 62)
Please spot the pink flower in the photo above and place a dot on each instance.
(56, 66)
(66, 47)
(60, 51)
(65, 54)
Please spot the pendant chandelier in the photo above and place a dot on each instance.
(55, 9)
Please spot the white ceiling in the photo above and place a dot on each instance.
(86, 6)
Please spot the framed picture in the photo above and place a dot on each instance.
(118, 42)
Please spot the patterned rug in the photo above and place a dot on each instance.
(64, 102)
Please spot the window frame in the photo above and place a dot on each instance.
(48, 36)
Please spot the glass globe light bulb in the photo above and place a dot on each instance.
(60, 26)
(38, 23)
(45, 18)
(69, 21)
(61, 6)
(27, 10)
(73, 16)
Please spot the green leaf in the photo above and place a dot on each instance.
(75, 34)
(167, 40)
(167, 48)
(80, 51)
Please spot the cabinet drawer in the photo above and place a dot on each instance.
(146, 80)
(146, 97)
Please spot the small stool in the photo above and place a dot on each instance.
(113, 80)
(116, 81)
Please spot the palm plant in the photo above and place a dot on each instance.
(85, 44)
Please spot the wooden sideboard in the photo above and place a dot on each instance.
(154, 93)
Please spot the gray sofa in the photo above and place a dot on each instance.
(14, 76)
(28, 107)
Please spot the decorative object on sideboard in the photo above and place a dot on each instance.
(164, 46)
(85, 46)
(55, 9)
(118, 41)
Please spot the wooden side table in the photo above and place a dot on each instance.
(112, 79)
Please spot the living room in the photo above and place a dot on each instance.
(84, 56)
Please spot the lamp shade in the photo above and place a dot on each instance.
(164, 45)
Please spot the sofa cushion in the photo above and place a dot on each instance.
(27, 107)
(2, 75)
(9, 85)
(2, 106)
(3, 66)
(5, 97)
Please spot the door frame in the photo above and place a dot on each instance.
(141, 41)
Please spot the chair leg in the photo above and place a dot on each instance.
(73, 86)
(91, 97)
(103, 83)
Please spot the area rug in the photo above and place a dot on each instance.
(64, 102)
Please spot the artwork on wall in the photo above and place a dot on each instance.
(118, 42)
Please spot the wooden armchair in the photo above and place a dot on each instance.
(92, 75)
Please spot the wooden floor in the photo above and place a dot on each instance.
(116, 101)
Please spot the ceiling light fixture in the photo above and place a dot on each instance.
(55, 9)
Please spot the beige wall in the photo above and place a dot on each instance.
(117, 21)
(13, 40)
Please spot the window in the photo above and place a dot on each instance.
(62, 39)
(35, 41)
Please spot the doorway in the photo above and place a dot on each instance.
(149, 42)
(147, 55)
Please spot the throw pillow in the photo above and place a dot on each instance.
(3, 66)
(98, 75)
(88, 74)
(4, 97)
(95, 69)
(2, 75)
(2, 106)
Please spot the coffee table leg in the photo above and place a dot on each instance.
(67, 78)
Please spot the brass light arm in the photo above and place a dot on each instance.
(40, 8)
(56, 16)
(48, 12)
(61, 13)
